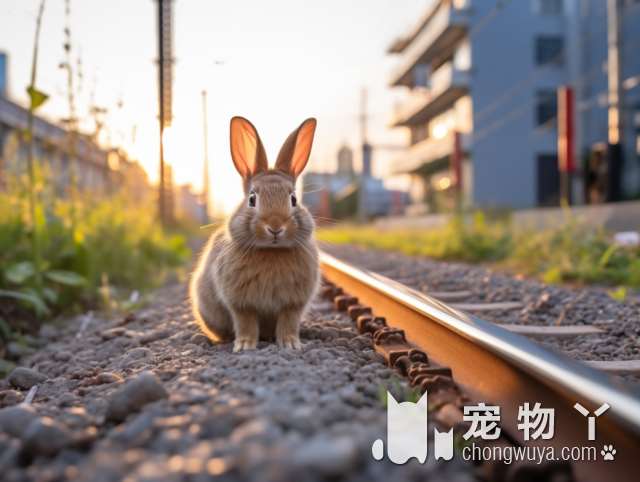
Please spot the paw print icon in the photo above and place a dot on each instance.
(608, 452)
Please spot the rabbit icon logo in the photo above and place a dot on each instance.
(407, 433)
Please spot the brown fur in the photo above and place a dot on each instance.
(250, 284)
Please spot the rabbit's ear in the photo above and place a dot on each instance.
(294, 154)
(247, 151)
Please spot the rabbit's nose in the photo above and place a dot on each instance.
(275, 232)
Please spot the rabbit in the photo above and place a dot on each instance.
(257, 275)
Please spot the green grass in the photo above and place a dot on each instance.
(569, 253)
(110, 246)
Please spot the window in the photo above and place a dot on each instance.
(549, 49)
(548, 180)
(549, 7)
(421, 75)
(546, 107)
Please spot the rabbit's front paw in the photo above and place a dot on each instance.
(245, 343)
(291, 341)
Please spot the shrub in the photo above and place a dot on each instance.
(111, 241)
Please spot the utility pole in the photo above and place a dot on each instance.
(165, 78)
(616, 104)
(365, 172)
(205, 167)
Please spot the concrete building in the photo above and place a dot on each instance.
(334, 195)
(345, 161)
(480, 110)
(97, 170)
(3, 75)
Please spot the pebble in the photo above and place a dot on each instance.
(154, 336)
(25, 378)
(327, 456)
(14, 420)
(16, 351)
(10, 397)
(48, 332)
(45, 436)
(262, 415)
(112, 333)
(134, 395)
(62, 356)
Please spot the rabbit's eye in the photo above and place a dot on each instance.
(294, 200)
(252, 200)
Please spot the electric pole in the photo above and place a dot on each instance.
(165, 78)
(365, 172)
(205, 167)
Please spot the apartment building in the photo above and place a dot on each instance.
(480, 109)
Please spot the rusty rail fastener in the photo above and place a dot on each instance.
(422, 369)
(387, 335)
(370, 324)
(437, 383)
(418, 356)
(358, 310)
(330, 291)
(342, 302)
(402, 365)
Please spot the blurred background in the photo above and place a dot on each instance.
(426, 109)
(428, 105)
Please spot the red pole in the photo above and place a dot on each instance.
(566, 141)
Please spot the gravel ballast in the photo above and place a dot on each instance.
(542, 304)
(149, 398)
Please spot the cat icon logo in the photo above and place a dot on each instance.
(407, 436)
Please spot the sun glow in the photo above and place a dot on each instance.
(275, 63)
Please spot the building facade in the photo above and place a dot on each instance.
(480, 111)
(62, 156)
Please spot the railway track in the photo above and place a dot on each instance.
(81, 408)
(458, 358)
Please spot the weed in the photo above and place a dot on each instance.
(571, 252)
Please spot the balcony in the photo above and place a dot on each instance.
(442, 31)
(448, 84)
(428, 156)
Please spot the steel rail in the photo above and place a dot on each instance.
(495, 365)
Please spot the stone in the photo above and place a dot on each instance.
(45, 437)
(329, 456)
(16, 350)
(154, 336)
(48, 332)
(25, 378)
(112, 333)
(14, 420)
(62, 356)
(10, 397)
(134, 395)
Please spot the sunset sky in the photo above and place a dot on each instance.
(274, 62)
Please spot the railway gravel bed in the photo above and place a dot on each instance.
(542, 304)
(149, 398)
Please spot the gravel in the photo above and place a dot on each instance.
(542, 304)
(25, 378)
(147, 398)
